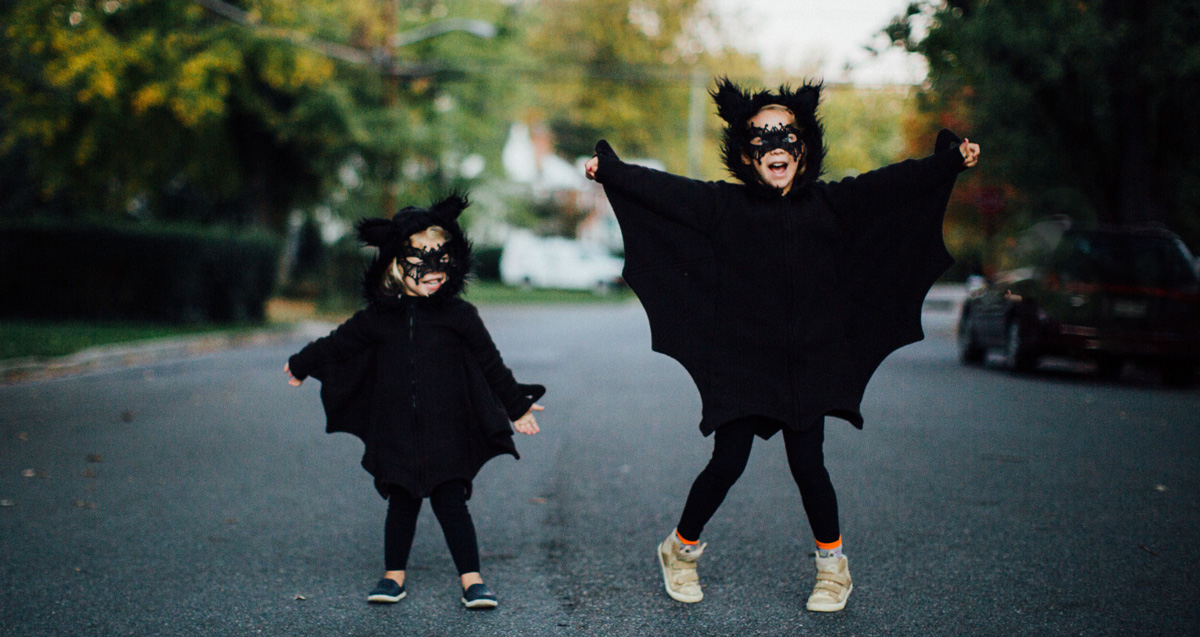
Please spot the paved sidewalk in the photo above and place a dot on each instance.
(945, 298)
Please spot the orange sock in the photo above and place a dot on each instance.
(829, 549)
(683, 541)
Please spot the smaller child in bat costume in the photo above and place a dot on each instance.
(416, 376)
(780, 296)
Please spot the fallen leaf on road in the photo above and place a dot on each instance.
(1160, 487)
(90, 473)
(29, 473)
(537, 500)
(23, 436)
(300, 597)
(85, 505)
(7, 503)
(231, 520)
(95, 457)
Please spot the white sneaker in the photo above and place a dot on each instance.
(833, 584)
(678, 564)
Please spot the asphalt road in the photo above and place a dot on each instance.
(202, 496)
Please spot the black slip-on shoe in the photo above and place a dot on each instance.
(387, 591)
(479, 596)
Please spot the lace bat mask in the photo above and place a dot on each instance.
(427, 261)
(764, 139)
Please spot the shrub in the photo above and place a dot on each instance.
(487, 262)
(160, 273)
(340, 286)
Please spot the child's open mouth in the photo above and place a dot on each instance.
(433, 282)
(778, 168)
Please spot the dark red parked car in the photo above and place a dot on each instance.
(1108, 293)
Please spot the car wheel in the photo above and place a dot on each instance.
(970, 352)
(1178, 373)
(1017, 351)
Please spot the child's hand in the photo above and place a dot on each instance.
(589, 168)
(292, 380)
(970, 153)
(527, 424)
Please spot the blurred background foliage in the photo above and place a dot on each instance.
(243, 113)
(1085, 108)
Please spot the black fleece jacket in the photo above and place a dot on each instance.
(783, 306)
(420, 381)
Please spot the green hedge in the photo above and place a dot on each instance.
(340, 276)
(487, 262)
(172, 274)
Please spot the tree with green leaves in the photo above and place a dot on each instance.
(119, 103)
(1083, 107)
(210, 110)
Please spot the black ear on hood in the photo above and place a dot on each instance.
(451, 207)
(732, 102)
(376, 232)
(802, 101)
(737, 106)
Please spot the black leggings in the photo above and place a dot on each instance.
(731, 450)
(449, 502)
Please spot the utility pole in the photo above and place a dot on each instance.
(696, 104)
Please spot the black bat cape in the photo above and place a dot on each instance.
(417, 379)
(783, 305)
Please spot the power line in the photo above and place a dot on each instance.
(384, 61)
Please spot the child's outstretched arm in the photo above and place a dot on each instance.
(527, 424)
(347, 340)
(891, 186)
(518, 400)
(690, 202)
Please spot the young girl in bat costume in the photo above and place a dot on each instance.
(416, 376)
(780, 296)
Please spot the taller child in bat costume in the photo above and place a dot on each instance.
(780, 296)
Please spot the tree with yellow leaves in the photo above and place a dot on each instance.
(147, 107)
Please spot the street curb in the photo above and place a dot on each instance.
(102, 357)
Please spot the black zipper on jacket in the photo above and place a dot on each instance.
(789, 288)
(418, 439)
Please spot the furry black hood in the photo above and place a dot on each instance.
(391, 237)
(737, 106)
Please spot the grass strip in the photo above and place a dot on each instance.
(19, 339)
(485, 292)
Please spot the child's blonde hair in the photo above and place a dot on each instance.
(393, 276)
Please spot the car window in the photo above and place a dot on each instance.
(1094, 257)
